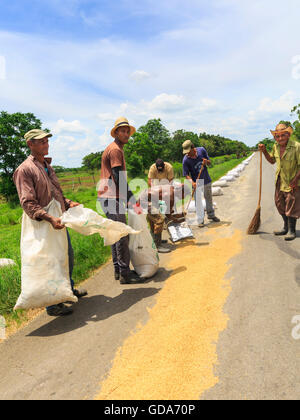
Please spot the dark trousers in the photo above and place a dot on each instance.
(115, 210)
(71, 263)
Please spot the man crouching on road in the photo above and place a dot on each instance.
(286, 154)
(150, 201)
(37, 185)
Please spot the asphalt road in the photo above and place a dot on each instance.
(256, 355)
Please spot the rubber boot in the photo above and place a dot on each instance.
(292, 229)
(160, 248)
(285, 229)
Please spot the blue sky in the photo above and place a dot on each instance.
(225, 67)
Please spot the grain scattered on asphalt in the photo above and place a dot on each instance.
(173, 355)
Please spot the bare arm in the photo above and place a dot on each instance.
(270, 159)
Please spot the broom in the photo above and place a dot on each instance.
(255, 222)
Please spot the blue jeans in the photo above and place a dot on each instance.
(71, 264)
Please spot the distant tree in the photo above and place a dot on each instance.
(92, 161)
(13, 148)
(268, 142)
(157, 133)
(141, 145)
(174, 150)
(296, 124)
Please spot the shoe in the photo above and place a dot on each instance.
(80, 293)
(158, 242)
(117, 275)
(292, 229)
(130, 278)
(214, 219)
(201, 225)
(59, 310)
(285, 229)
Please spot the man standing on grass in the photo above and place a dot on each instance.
(115, 196)
(192, 163)
(37, 185)
(286, 154)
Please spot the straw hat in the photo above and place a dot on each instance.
(122, 122)
(282, 128)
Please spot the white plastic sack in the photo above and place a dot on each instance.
(216, 191)
(220, 183)
(180, 231)
(228, 178)
(87, 222)
(4, 262)
(45, 263)
(143, 252)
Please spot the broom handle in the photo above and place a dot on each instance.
(260, 183)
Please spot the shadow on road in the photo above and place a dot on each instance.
(286, 247)
(163, 274)
(94, 309)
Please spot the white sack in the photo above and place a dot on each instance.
(228, 178)
(4, 262)
(220, 184)
(45, 263)
(216, 191)
(192, 207)
(143, 253)
(87, 222)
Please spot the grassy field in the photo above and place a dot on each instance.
(90, 252)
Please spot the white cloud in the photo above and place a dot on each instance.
(140, 75)
(282, 105)
(75, 127)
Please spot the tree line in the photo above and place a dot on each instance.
(153, 141)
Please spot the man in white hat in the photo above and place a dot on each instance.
(37, 185)
(115, 196)
(286, 154)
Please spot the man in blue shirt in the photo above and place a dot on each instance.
(193, 160)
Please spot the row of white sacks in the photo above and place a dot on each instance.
(224, 182)
(230, 177)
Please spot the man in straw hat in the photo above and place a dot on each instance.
(37, 185)
(194, 158)
(115, 196)
(286, 154)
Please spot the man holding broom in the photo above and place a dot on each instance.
(194, 159)
(286, 154)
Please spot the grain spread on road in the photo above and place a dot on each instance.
(173, 355)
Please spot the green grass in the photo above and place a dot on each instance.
(90, 253)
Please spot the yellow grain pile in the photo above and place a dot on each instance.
(173, 355)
